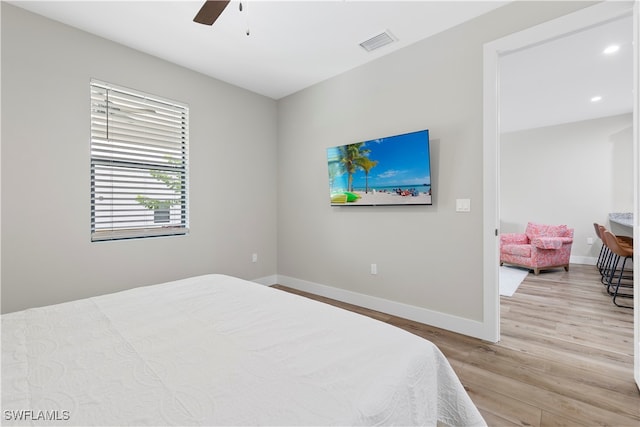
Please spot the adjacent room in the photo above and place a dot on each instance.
(556, 131)
(257, 212)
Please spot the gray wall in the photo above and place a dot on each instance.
(47, 256)
(427, 257)
(572, 174)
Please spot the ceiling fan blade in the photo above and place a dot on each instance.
(210, 11)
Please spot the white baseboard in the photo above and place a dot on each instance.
(472, 328)
(267, 280)
(460, 325)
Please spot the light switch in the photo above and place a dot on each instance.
(463, 205)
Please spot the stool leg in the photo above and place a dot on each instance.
(613, 266)
(599, 261)
(615, 293)
(606, 268)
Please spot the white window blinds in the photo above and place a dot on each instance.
(138, 164)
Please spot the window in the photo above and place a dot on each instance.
(138, 164)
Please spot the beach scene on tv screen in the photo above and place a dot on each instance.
(387, 171)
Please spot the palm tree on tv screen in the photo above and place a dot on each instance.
(350, 156)
(366, 164)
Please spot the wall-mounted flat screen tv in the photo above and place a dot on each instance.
(395, 170)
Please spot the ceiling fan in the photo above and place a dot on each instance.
(210, 11)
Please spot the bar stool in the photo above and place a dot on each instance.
(619, 250)
(608, 257)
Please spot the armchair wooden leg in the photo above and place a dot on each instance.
(536, 271)
(566, 267)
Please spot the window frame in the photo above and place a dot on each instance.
(134, 135)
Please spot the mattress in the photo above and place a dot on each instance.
(218, 350)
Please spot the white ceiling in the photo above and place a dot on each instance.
(295, 44)
(292, 45)
(553, 82)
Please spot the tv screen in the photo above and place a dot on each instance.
(395, 170)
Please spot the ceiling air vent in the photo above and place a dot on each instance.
(378, 41)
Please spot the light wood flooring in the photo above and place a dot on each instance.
(565, 357)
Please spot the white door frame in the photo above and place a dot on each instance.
(636, 181)
(559, 27)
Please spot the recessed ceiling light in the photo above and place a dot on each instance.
(596, 99)
(611, 49)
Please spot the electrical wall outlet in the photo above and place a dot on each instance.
(589, 240)
(374, 268)
(254, 258)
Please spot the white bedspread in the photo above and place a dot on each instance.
(217, 350)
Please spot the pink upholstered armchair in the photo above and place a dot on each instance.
(541, 247)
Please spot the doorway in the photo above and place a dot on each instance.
(561, 27)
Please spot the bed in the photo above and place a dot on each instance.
(218, 350)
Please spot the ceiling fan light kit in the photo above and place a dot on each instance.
(211, 11)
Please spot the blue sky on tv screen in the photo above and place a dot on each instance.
(403, 161)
